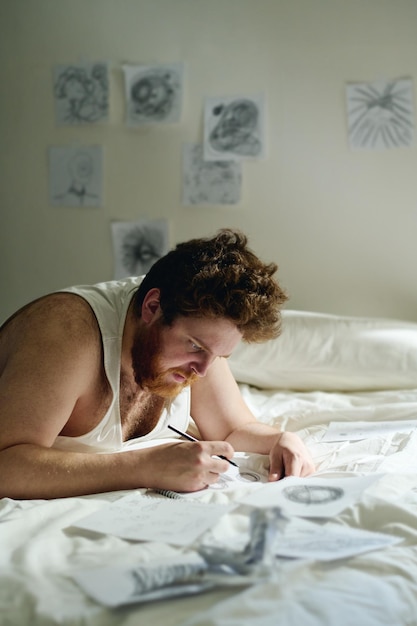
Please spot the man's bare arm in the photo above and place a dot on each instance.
(30, 471)
(220, 412)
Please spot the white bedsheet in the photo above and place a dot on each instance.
(39, 551)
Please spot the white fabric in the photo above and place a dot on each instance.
(330, 352)
(110, 302)
(38, 553)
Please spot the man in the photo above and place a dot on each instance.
(96, 370)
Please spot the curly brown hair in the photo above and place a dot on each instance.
(218, 277)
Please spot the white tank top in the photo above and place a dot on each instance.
(110, 302)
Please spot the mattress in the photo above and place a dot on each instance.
(348, 387)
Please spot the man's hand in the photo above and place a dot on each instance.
(186, 466)
(289, 457)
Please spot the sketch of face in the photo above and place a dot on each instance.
(81, 168)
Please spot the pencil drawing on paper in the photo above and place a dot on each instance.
(209, 182)
(75, 176)
(137, 245)
(326, 542)
(233, 128)
(245, 476)
(380, 115)
(153, 94)
(81, 93)
(248, 476)
(312, 494)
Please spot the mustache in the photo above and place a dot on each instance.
(189, 377)
(169, 391)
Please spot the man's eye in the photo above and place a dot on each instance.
(195, 347)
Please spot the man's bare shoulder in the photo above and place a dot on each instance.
(63, 318)
(50, 363)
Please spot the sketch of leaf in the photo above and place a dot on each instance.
(380, 115)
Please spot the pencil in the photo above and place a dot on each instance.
(191, 438)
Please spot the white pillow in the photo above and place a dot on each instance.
(317, 351)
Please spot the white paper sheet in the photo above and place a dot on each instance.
(119, 585)
(209, 182)
(76, 176)
(235, 476)
(143, 518)
(154, 93)
(380, 114)
(329, 543)
(185, 574)
(137, 245)
(81, 93)
(234, 128)
(310, 497)
(378, 588)
(354, 431)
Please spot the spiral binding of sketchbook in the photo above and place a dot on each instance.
(168, 493)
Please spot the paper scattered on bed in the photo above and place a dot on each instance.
(310, 497)
(187, 573)
(329, 543)
(355, 431)
(118, 585)
(270, 536)
(143, 518)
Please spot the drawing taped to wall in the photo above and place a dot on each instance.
(154, 94)
(234, 128)
(209, 182)
(137, 245)
(81, 93)
(380, 114)
(76, 176)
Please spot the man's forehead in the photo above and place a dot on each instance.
(213, 333)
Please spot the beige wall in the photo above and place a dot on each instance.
(342, 225)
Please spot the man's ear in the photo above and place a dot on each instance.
(150, 305)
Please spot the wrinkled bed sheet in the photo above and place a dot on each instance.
(39, 551)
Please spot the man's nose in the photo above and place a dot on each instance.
(201, 363)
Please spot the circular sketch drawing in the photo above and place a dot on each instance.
(312, 494)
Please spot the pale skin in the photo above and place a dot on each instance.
(52, 382)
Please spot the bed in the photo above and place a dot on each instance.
(353, 377)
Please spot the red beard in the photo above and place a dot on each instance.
(146, 358)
